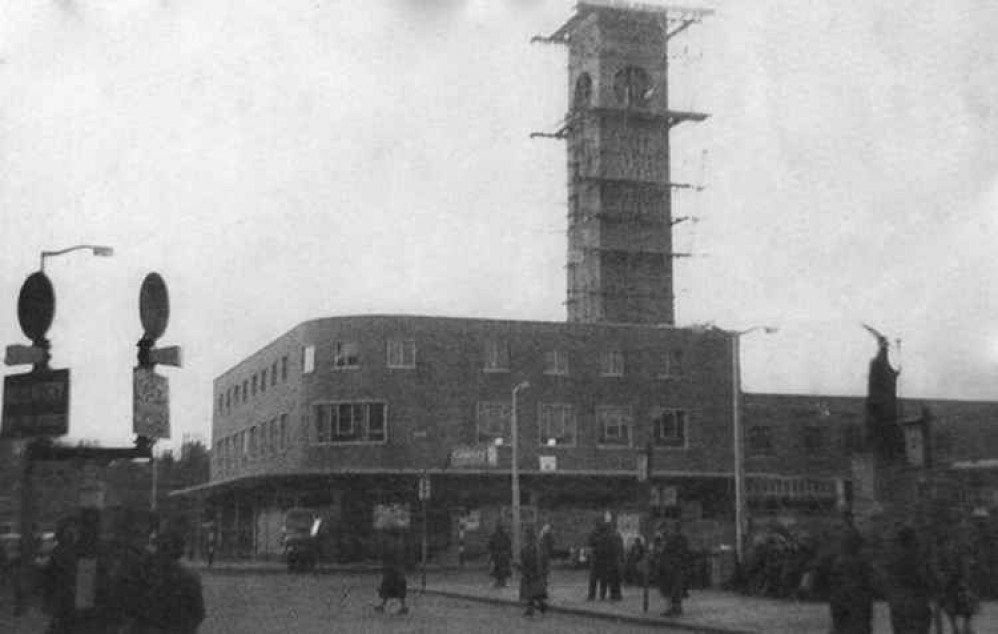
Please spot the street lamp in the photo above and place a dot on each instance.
(739, 436)
(514, 470)
(98, 250)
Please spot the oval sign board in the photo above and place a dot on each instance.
(154, 306)
(36, 306)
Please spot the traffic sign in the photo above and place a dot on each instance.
(150, 404)
(17, 354)
(154, 306)
(36, 306)
(35, 404)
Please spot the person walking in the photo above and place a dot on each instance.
(601, 555)
(673, 564)
(534, 564)
(851, 588)
(59, 579)
(171, 599)
(501, 554)
(615, 564)
(909, 585)
(393, 581)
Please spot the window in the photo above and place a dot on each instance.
(228, 399)
(244, 441)
(252, 441)
(307, 360)
(556, 422)
(496, 356)
(273, 374)
(349, 422)
(852, 438)
(245, 390)
(284, 368)
(273, 435)
(669, 427)
(556, 363)
(284, 431)
(673, 364)
(401, 353)
(814, 439)
(345, 355)
(493, 421)
(614, 426)
(263, 380)
(632, 86)
(253, 385)
(760, 441)
(611, 363)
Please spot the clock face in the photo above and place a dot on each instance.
(632, 87)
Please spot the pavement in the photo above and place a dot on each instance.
(705, 611)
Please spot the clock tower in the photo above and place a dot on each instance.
(620, 256)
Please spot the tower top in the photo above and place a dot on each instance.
(679, 16)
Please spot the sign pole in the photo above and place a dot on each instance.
(649, 559)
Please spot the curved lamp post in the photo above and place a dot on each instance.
(97, 249)
(741, 514)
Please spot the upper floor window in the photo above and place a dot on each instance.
(345, 354)
(252, 441)
(245, 390)
(496, 356)
(283, 432)
(228, 399)
(350, 422)
(615, 426)
(263, 380)
(273, 374)
(814, 439)
(556, 362)
(493, 421)
(673, 364)
(307, 360)
(254, 385)
(284, 367)
(401, 353)
(760, 440)
(611, 363)
(669, 427)
(556, 423)
(632, 86)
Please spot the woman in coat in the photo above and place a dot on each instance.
(533, 573)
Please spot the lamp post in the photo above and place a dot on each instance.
(738, 440)
(514, 470)
(98, 250)
(27, 508)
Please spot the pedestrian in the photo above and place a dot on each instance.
(59, 578)
(635, 555)
(533, 573)
(851, 588)
(600, 559)
(673, 569)
(615, 564)
(170, 597)
(546, 541)
(501, 555)
(958, 599)
(909, 585)
(393, 561)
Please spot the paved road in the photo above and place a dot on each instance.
(302, 604)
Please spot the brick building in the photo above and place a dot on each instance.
(345, 414)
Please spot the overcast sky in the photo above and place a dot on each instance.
(283, 161)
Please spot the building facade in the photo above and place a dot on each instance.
(347, 414)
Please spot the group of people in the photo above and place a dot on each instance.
(535, 564)
(919, 588)
(668, 563)
(123, 586)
